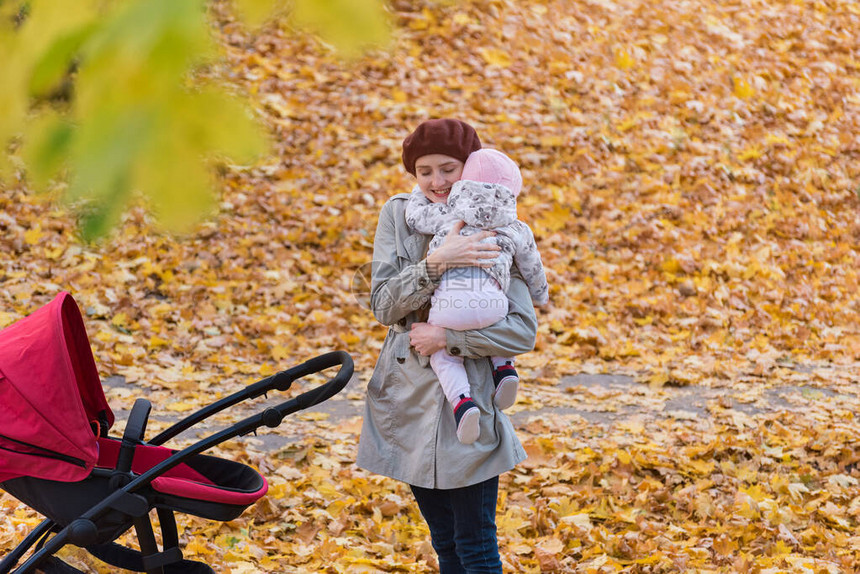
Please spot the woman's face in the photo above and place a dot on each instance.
(436, 173)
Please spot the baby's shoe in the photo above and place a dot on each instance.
(468, 418)
(507, 383)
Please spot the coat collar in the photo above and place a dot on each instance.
(413, 247)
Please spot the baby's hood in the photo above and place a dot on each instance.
(483, 205)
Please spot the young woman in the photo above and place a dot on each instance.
(409, 432)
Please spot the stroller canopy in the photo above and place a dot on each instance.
(52, 408)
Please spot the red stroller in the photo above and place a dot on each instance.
(56, 455)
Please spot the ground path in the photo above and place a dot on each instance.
(598, 399)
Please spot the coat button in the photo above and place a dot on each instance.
(455, 351)
(401, 360)
(422, 282)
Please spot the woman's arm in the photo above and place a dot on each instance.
(397, 287)
(513, 335)
(394, 291)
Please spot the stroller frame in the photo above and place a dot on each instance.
(125, 499)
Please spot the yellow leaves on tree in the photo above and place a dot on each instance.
(137, 121)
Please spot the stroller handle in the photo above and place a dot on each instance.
(332, 387)
(270, 417)
(281, 381)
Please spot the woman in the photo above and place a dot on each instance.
(409, 432)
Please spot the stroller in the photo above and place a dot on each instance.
(56, 455)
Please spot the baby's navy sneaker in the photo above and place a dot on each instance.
(507, 383)
(467, 417)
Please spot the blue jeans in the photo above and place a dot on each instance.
(462, 525)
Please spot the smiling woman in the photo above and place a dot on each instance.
(409, 431)
(436, 173)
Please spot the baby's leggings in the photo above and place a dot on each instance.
(460, 307)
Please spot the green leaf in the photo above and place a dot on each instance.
(103, 152)
(50, 21)
(348, 25)
(47, 144)
(55, 62)
(141, 129)
(220, 124)
(142, 54)
(174, 174)
(13, 96)
(256, 12)
(176, 182)
(36, 42)
(97, 219)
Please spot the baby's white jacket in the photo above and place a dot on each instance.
(484, 207)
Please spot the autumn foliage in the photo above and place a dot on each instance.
(692, 174)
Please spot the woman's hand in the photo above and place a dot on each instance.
(462, 251)
(427, 338)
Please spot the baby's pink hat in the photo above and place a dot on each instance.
(492, 166)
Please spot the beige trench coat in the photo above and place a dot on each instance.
(409, 432)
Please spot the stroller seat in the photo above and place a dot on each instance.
(205, 486)
(56, 455)
(200, 478)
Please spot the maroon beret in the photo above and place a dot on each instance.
(446, 136)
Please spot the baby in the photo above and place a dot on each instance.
(473, 297)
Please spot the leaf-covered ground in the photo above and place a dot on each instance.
(692, 173)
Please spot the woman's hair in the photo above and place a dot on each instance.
(454, 138)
